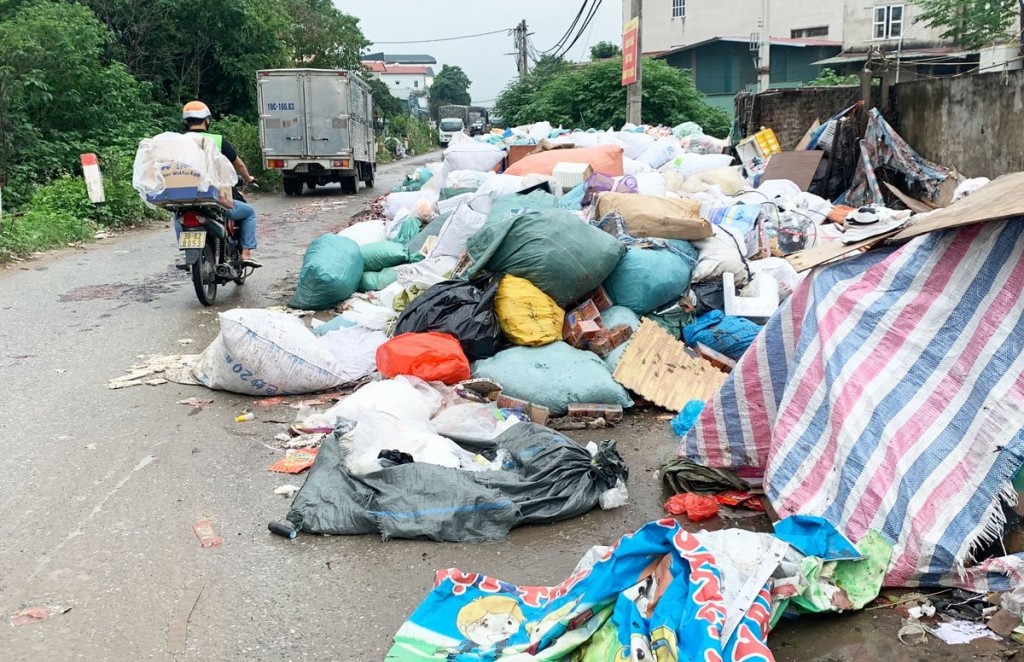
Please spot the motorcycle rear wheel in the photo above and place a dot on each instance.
(204, 276)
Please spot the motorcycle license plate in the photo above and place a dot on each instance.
(192, 240)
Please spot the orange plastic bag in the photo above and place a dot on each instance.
(605, 159)
(695, 506)
(295, 461)
(433, 357)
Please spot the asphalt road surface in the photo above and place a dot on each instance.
(101, 488)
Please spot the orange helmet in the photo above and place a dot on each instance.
(195, 110)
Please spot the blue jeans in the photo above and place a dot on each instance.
(243, 214)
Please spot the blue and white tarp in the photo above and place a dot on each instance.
(655, 596)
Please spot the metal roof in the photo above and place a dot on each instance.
(396, 58)
(907, 54)
(775, 41)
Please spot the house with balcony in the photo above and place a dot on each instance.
(409, 83)
(717, 41)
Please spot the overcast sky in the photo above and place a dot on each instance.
(483, 59)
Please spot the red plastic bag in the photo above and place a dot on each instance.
(433, 357)
(696, 507)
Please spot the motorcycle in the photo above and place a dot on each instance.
(210, 241)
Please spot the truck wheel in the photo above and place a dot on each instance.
(311, 186)
(368, 180)
(292, 186)
(350, 185)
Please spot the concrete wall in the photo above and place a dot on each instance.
(790, 113)
(706, 19)
(973, 123)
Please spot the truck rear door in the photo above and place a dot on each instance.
(282, 110)
(327, 114)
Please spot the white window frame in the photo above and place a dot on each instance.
(678, 8)
(882, 29)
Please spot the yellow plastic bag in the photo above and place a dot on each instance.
(527, 315)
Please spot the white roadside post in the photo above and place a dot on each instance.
(93, 178)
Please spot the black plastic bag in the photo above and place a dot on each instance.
(464, 310)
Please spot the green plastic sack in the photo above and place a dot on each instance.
(452, 192)
(536, 200)
(409, 228)
(551, 248)
(338, 322)
(383, 254)
(553, 376)
(647, 278)
(330, 273)
(433, 229)
(374, 281)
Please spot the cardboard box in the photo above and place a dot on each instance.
(600, 298)
(585, 311)
(609, 339)
(610, 413)
(535, 413)
(182, 187)
(569, 175)
(583, 332)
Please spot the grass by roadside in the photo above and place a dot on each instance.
(60, 212)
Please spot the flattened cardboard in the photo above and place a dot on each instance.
(913, 204)
(813, 257)
(996, 201)
(798, 167)
(658, 367)
(806, 140)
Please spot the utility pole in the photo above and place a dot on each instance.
(764, 51)
(634, 91)
(522, 54)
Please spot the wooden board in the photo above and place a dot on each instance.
(813, 257)
(798, 167)
(1003, 198)
(658, 367)
(806, 140)
(913, 204)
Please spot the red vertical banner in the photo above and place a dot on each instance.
(629, 52)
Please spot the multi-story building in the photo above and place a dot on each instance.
(408, 77)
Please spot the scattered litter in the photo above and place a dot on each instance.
(957, 631)
(295, 461)
(31, 615)
(186, 341)
(287, 491)
(696, 507)
(196, 403)
(913, 632)
(176, 368)
(244, 416)
(207, 536)
(269, 402)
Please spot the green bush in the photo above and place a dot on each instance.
(245, 137)
(36, 230)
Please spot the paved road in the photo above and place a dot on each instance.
(101, 488)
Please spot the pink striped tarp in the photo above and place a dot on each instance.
(888, 393)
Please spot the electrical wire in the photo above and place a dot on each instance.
(432, 41)
(583, 27)
(575, 22)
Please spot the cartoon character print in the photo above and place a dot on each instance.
(487, 623)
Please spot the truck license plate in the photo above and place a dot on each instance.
(192, 240)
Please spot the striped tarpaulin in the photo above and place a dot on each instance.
(888, 393)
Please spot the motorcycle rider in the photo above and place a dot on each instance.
(196, 115)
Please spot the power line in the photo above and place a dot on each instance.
(432, 41)
(572, 25)
(586, 23)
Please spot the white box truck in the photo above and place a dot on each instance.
(316, 126)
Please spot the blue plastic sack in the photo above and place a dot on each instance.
(687, 418)
(574, 198)
(723, 333)
(646, 278)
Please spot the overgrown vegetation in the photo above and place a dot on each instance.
(591, 95)
(99, 75)
(829, 78)
(973, 24)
